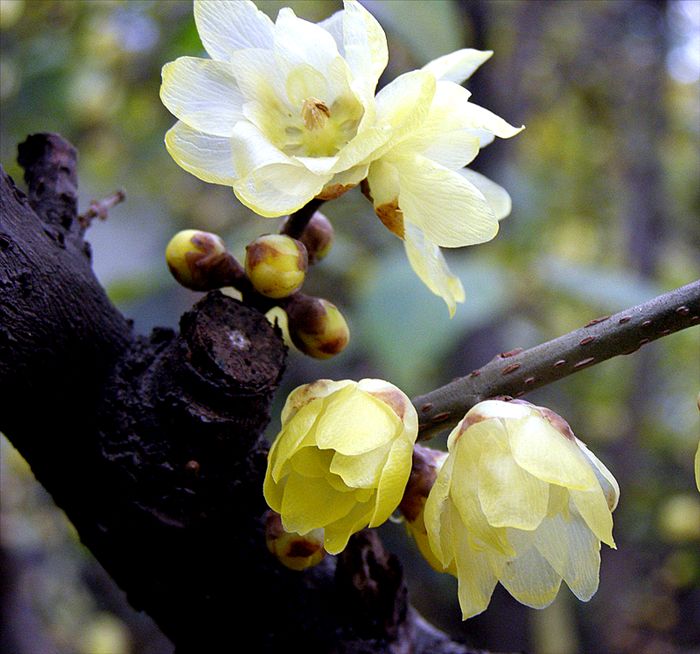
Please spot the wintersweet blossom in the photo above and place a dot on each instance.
(521, 501)
(342, 459)
(282, 112)
(418, 182)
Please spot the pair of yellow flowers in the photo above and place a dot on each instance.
(517, 498)
(286, 111)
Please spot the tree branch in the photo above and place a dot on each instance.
(514, 373)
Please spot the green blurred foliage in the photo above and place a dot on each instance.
(606, 199)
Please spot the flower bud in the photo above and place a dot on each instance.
(197, 259)
(317, 327)
(317, 237)
(276, 265)
(295, 551)
(342, 458)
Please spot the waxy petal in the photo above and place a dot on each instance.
(203, 94)
(449, 210)
(429, 264)
(496, 196)
(205, 156)
(459, 65)
(228, 25)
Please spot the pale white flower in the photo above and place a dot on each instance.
(283, 111)
(418, 182)
(521, 501)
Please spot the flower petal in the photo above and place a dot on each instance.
(291, 437)
(205, 156)
(309, 503)
(483, 119)
(529, 578)
(546, 453)
(362, 471)
(364, 46)
(228, 25)
(354, 422)
(449, 210)
(203, 94)
(436, 515)
(457, 66)
(573, 550)
(304, 42)
(393, 480)
(509, 495)
(475, 576)
(429, 264)
(593, 507)
(338, 533)
(496, 196)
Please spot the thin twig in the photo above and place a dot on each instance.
(514, 373)
(100, 208)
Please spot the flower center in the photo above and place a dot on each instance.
(315, 113)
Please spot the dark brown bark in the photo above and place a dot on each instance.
(154, 447)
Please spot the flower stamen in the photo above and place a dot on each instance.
(315, 113)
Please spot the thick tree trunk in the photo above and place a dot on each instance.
(153, 446)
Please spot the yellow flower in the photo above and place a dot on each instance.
(342, 459)
(418, 182)
(520, 501)
(282, 112)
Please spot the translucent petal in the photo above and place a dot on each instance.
(261, 76)
(334, 26)
(546, 453)
(292, 435)
(310, 503)
(394, 477)
(228, 25)
(364, 46)
(306, 393)
(457, 66)
(278, 189)
(361, 471)
(404, 103)
(573, 550)
(530, 579)
(203, 94)
(450, 211)
(383, 181)
(509, 495)
(480, 118)
(273, 491)
(304, 42)
(608, 483)
(436, 514)
(354, 422)
(429, 264)
(475, 576)
(496, 196)
(207, 157)
(445, 135)
(464, 491)
(338, 533)
(593, 507)
(311, 462)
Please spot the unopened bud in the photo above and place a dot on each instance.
(197, 259)
(317, 327)
(293, 550)
(317, 237)
(276, 265)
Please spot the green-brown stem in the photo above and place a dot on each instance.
(514, 373)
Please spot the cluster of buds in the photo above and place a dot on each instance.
(274, 272)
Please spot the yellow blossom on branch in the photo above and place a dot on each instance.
(521, 501)
(418, 182)
(342, 459)
(282, 112)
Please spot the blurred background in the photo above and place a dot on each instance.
(605, 183)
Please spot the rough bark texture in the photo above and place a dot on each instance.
(153, 446)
